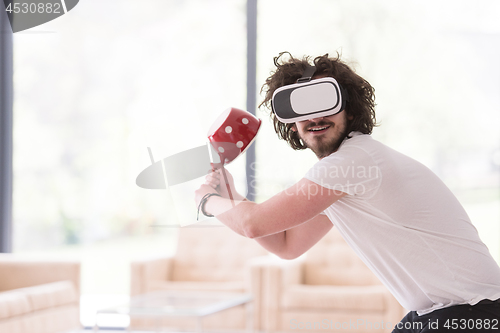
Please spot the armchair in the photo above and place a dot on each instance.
(38, 296)
(207, 259)
(328, 288)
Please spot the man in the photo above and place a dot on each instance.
(400, 218)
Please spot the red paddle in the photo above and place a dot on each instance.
(230, 135)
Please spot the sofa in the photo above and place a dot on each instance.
(38, 296)
(207, 259)
(329, 288)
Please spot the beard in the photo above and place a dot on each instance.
(323, 146)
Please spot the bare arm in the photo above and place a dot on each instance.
(292, 243)
(287, 224)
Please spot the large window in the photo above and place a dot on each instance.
(98, 86)
(93, 90)
(435, 69)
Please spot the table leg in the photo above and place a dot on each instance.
(199, 324)
(96, 326)
(127, 329)
(249, 321)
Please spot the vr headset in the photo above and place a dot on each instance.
(307, 99)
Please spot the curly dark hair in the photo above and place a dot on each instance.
(361, 95)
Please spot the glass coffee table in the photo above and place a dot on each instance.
(181, 304)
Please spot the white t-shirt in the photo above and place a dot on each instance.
(407, 226)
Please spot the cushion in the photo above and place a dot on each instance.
(13, 303)
(49, 295)
(25, 300)
(212, 254)
(335, 297)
